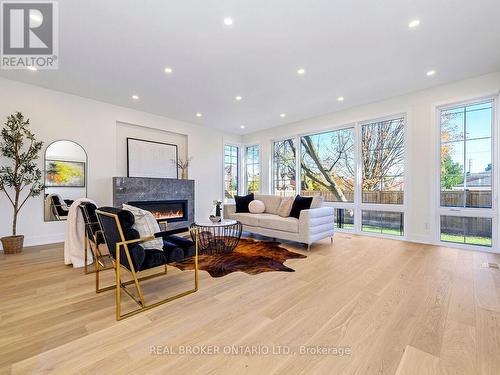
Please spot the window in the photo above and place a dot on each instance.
(383, 222)
(231, 163)
(466, 157)
(252, 169)
(466, 209)
(466, 230)
(327, 165)
(344, 218)
(283, 180)
(382, 147)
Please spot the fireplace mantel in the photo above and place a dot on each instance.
(129, 189)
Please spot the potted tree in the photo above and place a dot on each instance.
(20, 178)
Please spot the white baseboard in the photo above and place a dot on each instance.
(420, 239)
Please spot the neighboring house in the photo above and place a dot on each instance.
(476, 181)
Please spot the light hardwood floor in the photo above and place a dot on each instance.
(401, 308)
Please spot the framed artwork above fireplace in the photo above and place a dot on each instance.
(151, 159)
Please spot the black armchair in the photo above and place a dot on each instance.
(59, 207)
(124, 244)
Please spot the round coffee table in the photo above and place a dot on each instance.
(216, 238)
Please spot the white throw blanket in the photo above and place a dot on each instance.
(74, 236)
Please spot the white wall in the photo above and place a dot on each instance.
(421, 167)
(124, 131)
(92, 124)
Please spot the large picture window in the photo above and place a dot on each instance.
(328, 166)
(231, 167)
(466, 209)
(252, 169)
(382, 147)
(284, 167)
(466, 157)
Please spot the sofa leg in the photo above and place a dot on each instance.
(331, 240)
(308, 247)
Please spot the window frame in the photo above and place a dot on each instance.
(245, 167)
(479, 212)
(272, 167)
(239, 169)
(357, 206)
(401, 208)
(351, 126)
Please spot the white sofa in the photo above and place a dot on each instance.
(313, 224)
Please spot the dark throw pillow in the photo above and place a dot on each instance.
(299, 204)
(242, 202)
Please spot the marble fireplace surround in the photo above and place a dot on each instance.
(129, 189)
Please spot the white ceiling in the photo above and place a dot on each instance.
(360, 49)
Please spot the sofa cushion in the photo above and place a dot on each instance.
(146, 224)
(272, 203)
(299, 204)
(256, 207)
(242, 202)
(317, 201)
(275, 222)
(246, 218)
(285, 207)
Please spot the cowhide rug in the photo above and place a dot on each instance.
(251, 257)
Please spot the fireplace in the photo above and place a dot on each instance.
(165, 210)
(142, 190)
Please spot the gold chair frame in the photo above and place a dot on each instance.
(119, 285)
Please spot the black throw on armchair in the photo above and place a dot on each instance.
(124, 244)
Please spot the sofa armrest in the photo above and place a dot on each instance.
(315, 224)
(228, 210)
(315, 212)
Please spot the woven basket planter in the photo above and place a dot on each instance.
(12, 244)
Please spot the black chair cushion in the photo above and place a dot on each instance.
(299, 204)
(152, 258)
(93, 228)
(183, 243)
(173, 252)
(58, 206)
(242, 202)
(112, 235)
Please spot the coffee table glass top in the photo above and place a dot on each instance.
(208, 223)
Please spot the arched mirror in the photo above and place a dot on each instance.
(65, 178)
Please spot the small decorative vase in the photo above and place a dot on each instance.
(216, 216)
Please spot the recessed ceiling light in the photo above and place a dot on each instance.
(413, 23)
(242, 126)
(238, 98)
(340, 98)
(198, 114)
(168, 70)
(430, 73)
(228, 21)
(283, 115)
(32, 68)
(135, 97)
(301, 71)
